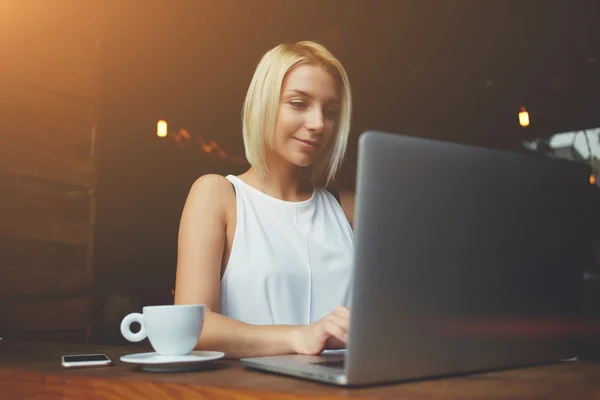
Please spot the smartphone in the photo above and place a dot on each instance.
(85, 360)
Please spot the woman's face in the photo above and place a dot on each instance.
(307, 114)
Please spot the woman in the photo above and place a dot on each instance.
(269, 252)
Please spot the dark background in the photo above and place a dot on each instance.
(455, 70)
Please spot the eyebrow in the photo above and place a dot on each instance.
(306, 94)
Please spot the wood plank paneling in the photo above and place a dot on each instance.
(25, 225)
(49, 79)
(36, 161)
(22, 314)
(44, 281)
(36, 254)
(29, 100)
(67, 206)
(74, 73)
(21, 194)
(51, 132)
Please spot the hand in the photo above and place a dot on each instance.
(330, 332)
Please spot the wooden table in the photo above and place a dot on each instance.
(33, 371)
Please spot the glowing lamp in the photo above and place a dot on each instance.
(161, 128)
(524, 117)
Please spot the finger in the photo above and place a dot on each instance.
(331, 328)
(342, 322)
(342, 312)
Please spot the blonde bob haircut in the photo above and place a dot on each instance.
(262, 103)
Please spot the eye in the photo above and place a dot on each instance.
(298, 104)
(330, 112)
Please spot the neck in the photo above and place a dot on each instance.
(285, 182)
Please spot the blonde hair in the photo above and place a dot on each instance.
(262, 103)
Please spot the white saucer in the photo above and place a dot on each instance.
(157, 363)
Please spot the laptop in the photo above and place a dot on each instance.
(467, 259)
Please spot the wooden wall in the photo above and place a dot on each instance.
(49, 79)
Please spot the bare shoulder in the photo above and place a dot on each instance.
(213, 183)
(347, 201)
(210, 191)
(212, 187)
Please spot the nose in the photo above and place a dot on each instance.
(314, 120)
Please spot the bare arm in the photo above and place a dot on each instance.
(200, 252)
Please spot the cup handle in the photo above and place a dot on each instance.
(126, 327)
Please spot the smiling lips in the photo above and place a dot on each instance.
(308, 144)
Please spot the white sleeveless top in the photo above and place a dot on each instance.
(290, 262)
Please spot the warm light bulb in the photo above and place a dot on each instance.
(524, 117)
(592, 179)
(161, 128)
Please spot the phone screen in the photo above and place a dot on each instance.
(85, 358)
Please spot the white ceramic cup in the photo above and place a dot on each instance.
(173, 330)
